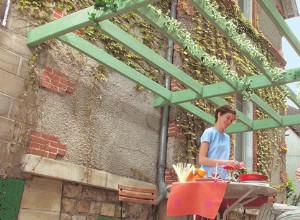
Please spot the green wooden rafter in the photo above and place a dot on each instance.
(61, 29)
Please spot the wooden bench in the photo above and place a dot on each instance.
(137, 195)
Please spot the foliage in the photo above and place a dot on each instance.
(213, 51)
(290, 189)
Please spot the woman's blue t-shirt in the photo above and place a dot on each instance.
(219, 147)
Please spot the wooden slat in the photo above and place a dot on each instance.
(130, 188)
(138, 201)
(137, 195)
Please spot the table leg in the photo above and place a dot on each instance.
(232, 206)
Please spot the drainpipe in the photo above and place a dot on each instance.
(162, 186)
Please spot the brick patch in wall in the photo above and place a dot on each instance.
(45, 145)
(57, 14)
(170, 176)
(56, 81)
(174, 131)
(176, 85)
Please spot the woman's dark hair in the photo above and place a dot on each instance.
(223, 110)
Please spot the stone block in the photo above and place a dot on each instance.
(6, 129)
(113, 181)
(95, 207)
(78, 217)
(26, 214)
(68, 205)
(83, 206)
(9, 62)
(5, 105)
(61, 170)
(112, 196)
(24, 69)
(108, 209)
(18, 23)
(65, 216)
(42, 194)
(92, 217)
(72, 190)
(94, 194)
(15, 43)
(23, 111)
(11, 85)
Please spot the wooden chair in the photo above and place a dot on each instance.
(137, 195)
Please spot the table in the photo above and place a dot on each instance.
(205, 197)
(239, 193)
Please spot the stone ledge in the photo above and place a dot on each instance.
(41, 166)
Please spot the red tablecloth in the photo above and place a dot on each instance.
(196, 198)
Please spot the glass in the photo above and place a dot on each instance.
(217, 172)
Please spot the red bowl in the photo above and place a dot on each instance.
(249, 177)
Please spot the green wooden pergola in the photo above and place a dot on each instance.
(63, 29)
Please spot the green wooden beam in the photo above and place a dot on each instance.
(290, 120)
(268, 123)
(158, 21)
(198, 112)
(273, 13)
(266, 108)
(151, 16)
(79, 20)
(237, 128)
(222, 88)
(148, 54)
(111, 62)
(294, 98)
(130, 42)
(262, 124)
(200, 6)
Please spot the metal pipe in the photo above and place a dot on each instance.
(165, 120)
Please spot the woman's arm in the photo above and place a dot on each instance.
(204, 160)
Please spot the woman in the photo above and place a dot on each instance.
(215, 143)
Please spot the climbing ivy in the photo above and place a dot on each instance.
(217, 46)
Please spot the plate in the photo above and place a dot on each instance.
(253, 176)
(258, 183)
(207, 179)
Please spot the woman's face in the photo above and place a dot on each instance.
(226, 119)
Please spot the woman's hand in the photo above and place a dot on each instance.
(236, 165)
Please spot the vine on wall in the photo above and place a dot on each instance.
(214, 45)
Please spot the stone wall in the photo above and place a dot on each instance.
(45, 198)
(14, 120)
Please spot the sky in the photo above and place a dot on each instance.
(291, 57)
